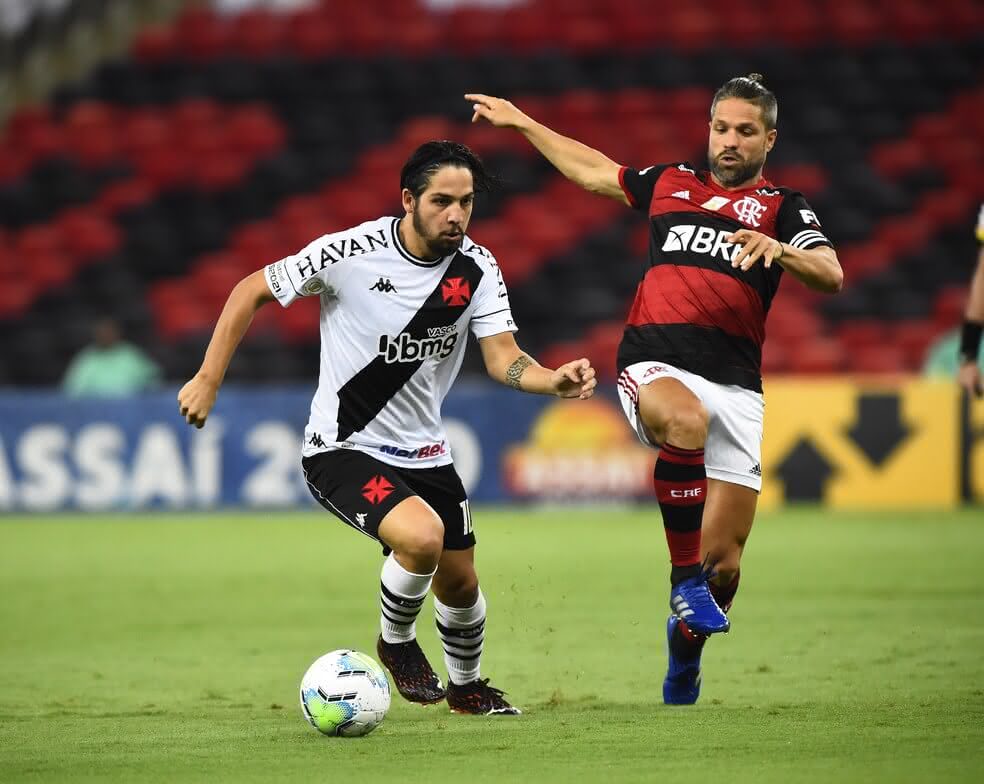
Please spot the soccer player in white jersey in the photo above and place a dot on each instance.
(398, 296)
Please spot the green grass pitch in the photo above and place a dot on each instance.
(170, 648)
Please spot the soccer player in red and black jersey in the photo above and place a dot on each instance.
(690, 359)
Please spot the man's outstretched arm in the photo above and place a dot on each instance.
(592, 170)
(197, 397)
(508, 364)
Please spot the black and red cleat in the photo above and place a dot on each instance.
(415, 679)
(479, 699)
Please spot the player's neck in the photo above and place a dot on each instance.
(412, 241)
(751, 182)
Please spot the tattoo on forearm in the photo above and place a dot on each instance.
(515, 371)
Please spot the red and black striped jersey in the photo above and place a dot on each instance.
(692, 309)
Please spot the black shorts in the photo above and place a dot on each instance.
(360, 490)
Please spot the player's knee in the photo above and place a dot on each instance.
(424, 541)
(687, 425)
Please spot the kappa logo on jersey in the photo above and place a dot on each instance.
(455, 292)
(360, 518)
(681, 195)
(440, 342)
(384, 285)
(420, 452)
(701, 239)
(377, 489)
(749, 210)
(654, 369)
(316, 440)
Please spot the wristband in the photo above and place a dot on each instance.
(970, 340)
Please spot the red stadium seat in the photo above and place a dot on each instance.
(887, 359)
(203, 35)
(87, 235)
(312, 34)
(601, 347)
(949, 307)
(156, 44)
(258, 34)
(817, 356)
(775, 357)
(897, 158)
(472, 31)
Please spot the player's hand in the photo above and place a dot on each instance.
(196, 399)
(574, 379)
(755, 246)
(498, 111)
(969, 377)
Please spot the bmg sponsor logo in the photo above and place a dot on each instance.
(439, 343)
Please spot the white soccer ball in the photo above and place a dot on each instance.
(345, 693)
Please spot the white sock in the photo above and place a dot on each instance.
(462, 631)
(400, 595)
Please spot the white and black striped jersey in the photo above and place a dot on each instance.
(393, 336)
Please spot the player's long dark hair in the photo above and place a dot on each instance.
(750, 88)
(431, 156)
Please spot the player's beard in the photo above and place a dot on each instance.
(439, 245)
(744, 171)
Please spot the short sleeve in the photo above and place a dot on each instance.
(492, 311)
(304, 274)
(638, 185)
(797, 224)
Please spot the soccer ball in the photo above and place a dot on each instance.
(345, 693)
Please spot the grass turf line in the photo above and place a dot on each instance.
(170, 648)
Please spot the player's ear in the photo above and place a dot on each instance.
(770, 139)
(409, 202)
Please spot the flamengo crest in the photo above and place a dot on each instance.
(749, 210)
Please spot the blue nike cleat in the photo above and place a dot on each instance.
(682, 683)
(691, 601)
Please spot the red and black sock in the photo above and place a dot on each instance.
(724, 595)
(685, 644)
(681, 487)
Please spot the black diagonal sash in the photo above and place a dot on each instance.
(365, 394)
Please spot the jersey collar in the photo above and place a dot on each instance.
(413, 259)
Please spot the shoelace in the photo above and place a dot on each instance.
(485, 690)
(702, 593)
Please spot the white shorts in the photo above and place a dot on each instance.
(733, 452)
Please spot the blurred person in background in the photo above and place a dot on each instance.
(690, 358)
(398, 297)
(109, 366)
(958, 352)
